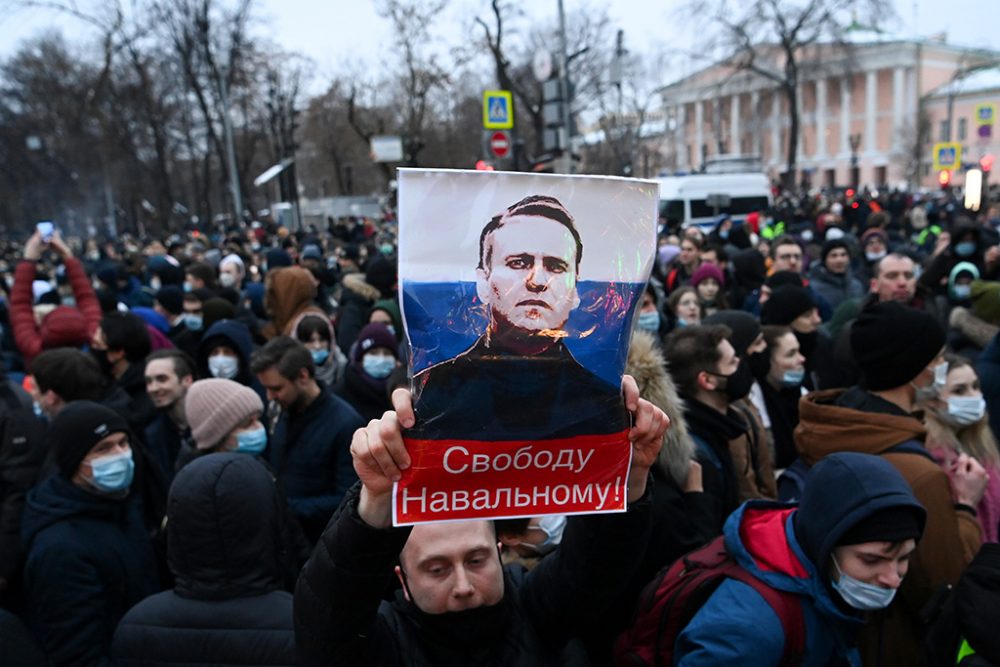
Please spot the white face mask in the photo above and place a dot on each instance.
(861, 595)
(227, 279)
(966, 410)
(223, 366)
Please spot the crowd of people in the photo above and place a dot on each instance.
(199, 436)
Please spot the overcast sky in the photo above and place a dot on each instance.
(335, 32)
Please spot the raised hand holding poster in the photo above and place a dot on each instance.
(518, 297)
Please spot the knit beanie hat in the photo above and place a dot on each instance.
(216, 309)
(375, 334)
(744, 326)
(707, 270)
(171, 298)
(893, 343)
(986, 300)
(381, 274)
(785, 304)
(64, 327)
(77, 428)
(890, 524)
(277, 258)
(872, 232)
(962, 268)
(832, 244)
(215, 407)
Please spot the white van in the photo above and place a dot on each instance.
(697, 199)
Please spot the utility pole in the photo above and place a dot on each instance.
(227, 127)
(566, 159)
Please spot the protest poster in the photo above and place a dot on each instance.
(518, 294)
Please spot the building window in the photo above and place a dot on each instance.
(943, 136)
(962, 123)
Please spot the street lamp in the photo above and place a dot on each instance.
(855, 141)
(227, 127)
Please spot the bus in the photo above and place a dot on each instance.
(698, 199)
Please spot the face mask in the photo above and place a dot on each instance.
(681, 322)
(222, 366)
(723, 234)
(875, 256)
(834, 233)
(738, 384)
(113, 473)
(858, 594)
(193, 322)
(320, 356)
(553, 527)
(187, 286)
(962, 291)
(251, 442)
(760, 363)
(965, 248)
(378, 366)
(155, 283)
(793, 378)
(965, 410)
(386, 248)
(227, 279)
(649, 321)
(931, 391)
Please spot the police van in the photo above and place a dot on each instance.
(698, 199)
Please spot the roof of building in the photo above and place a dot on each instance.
(980, 81)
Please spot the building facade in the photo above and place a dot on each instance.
(868, 115)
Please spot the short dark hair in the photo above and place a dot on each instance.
(286, 354)
(784, 239)
(542, 206)
(72, 374)
(202, 272)
(772, 332)
(877, 269)
(127, 331)
(692, 350)
(183, 363)
(312, 324)
(720, 252)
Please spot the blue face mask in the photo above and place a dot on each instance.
(251, 442)
(649, 321)
(113, 473)
(723, 234)
(793, 378)
(320, 356)
(187, 286)
(965, 248)
(378, 366)
(553, 527)
(681, 323)
(859, 595)
(962, 291)
(193, 322)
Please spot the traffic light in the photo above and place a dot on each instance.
(944, 178)
(986, 162)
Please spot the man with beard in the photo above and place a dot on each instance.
(310, 440)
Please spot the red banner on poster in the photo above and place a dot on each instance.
(469, 479)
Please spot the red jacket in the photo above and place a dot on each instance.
(32, 340)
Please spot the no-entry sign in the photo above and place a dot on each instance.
(500, 144)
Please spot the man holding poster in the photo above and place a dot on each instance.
(519, 328)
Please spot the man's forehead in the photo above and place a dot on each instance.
(430, 540)
(534, 233)
(895, 265)
(160, 367)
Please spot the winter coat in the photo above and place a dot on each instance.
(988, 370)
(22, 317)
(835, 288)
(89, 560)
(370, 401)
(356, 301)
(164, 441)
(341, 617)
(310, 453)
(224, 550)
(290, 293)
(736, 626)
(855, 420)
(141, 412)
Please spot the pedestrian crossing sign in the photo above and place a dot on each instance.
(947, 155)
(498, 110)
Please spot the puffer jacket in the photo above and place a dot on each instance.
(224, 538)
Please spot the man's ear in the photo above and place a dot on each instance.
(873, 286)
(507, 540)
(707, 381)
(402, 582)
(576, 298)
(483, 286)
(187, 381)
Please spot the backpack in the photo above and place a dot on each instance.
(673, 598)
(792, 482)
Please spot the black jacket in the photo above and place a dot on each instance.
(341, 618)
(89, 560)
(370, 401)
(164, 439)
(224, 536)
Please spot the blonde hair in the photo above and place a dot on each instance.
(976, 440)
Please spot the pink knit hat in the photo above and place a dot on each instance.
(215, 407)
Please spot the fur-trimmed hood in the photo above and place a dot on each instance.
(356, 283)
(647, 365)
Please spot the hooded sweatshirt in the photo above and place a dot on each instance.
(951, 537)
(789, 550)
(224, 540)
(290, 293)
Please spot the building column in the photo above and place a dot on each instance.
(845, 115)
(699, 136)
(871, 111)
(756, 142)
(681, 136)
(735, 146)
(821, 118)
(898, 99)
(776, 153)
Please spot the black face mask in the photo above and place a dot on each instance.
(738, 384)
(467, 630)
(760, 364)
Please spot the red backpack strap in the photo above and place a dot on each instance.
(787, 606)
(671, 279)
